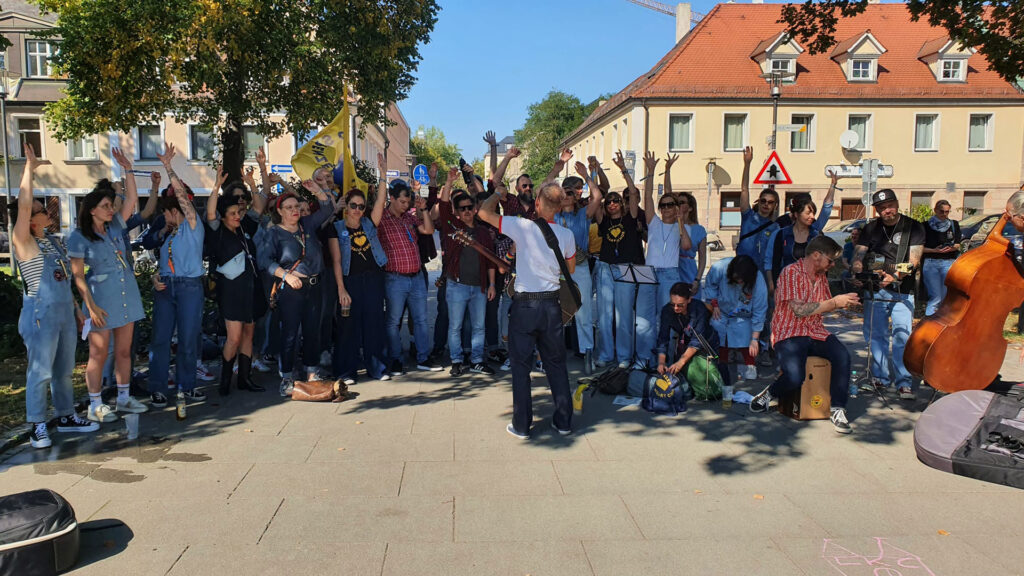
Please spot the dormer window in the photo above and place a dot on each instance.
(861, 70)
(952, 70)
(782, 65)
(778, 55)
(858, 56)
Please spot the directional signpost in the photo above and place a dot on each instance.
(280, 169)
(421, 175)
(792, 127)
(857, 171)
(773, 172)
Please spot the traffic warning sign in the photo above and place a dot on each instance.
(773, 172)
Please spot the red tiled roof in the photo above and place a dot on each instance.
(714, 61)
(932, 46)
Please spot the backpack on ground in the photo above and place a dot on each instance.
(704, 379)
(38, 534)
(664, 394)
(613, 381)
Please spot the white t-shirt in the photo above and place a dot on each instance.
(537, 268)
(662, 244)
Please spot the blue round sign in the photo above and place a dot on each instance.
(420, 174)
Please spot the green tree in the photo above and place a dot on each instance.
(996, 29)
(548, 123)
(432, 146)
(227, 63)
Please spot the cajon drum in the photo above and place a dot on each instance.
(813, 400)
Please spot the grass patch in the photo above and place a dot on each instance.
(1010, 329)
(12, 391)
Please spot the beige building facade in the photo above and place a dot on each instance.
(931, 109)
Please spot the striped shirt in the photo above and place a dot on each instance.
(796, 286)
(32, 269)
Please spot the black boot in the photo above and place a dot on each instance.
(227, 367)
(245, 381)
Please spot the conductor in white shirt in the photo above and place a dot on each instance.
(535, 319)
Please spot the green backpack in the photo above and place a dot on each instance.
(704, 379)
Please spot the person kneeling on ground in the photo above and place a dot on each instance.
(802, 296)
(688, 318)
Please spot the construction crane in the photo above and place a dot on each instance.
(695, 17)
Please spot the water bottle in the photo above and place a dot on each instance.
(180, 405)
(853, 384)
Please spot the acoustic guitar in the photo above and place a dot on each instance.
(961, 346)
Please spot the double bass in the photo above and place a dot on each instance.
(961, 346)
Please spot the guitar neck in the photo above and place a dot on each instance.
(500, 264)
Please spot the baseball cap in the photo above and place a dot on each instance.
(883, 195)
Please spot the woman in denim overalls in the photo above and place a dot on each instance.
(109, 291)
(47, 321)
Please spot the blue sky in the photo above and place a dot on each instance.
(487, 61)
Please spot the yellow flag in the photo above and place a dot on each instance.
(331, 149)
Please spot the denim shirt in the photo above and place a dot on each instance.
(577, 223)
(345, 243)
(756, 246)
(108, 256)
(742, 315)
(281, 248)
(783, 239)
(185, 249)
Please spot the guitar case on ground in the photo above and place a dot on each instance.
(38, 534)
(975, 433)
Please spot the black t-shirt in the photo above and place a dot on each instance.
(362, 260)
(469, 267)
(935, 239)
(621, 239)
(222, 244)
(884, 241)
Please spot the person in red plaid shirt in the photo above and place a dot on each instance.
(802, 296)
(398, 231)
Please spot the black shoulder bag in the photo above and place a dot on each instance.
(568, 292)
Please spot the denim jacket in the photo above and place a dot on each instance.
(345, 243)
(742, 314)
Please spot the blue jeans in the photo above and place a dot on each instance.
(179, 305)
(50, 335)
(896, 333)
(401, 290)
(934, 275)
(585, 315)
(667, 277)
(460, 298)
(615, 304)
(537, 325)
(793, 353)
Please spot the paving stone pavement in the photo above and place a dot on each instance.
(418, 476)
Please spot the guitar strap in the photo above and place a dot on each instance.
(549, 237)
(904, 247)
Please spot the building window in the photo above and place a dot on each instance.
(30, 132)
(679, 132)
(150, 141)
(201, 144)
(801, 141)
(735, 126)
(83, 149)
(784, 65)
(920, 199)
(974, 203)
(861, 70)
(861, 124)
(952, 70)
(729, 210)
(37, 56)
(979, 138)
(251, 141)
(925, 137)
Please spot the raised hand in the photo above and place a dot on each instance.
(565, 156)
(416, 186)
(453, 175)
(582, 171)
(167, 156)
(222, 177)
(261, 157)
(119, 156)
(650, 161)
(311, 186)
(275, 178)
(592, 163)
(834, 177)
(748, 155)
(32, 161)
(421, 205)
(154, 179)
(382, 165)
(249, 178)
(490, 138)
(670, 160)
(467, 168)
(619, 161)
(432, 171)
(513, 152)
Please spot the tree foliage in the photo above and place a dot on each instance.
(224, 63)
(996, 29)
(433, 146)
(548, 123)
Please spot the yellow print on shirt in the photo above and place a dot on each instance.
(360, 245)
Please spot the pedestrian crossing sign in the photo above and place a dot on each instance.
(773, 172)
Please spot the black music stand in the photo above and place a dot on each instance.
(635, 274)
(869, 297)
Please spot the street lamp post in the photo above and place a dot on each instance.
(775, 80)
(7, 162)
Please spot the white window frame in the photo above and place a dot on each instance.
(693, 123)
(872, 69)
(30, 56)
(16, 134)
(246, 159)
(138, 143)
(869, 130)
(935, 133)
(989, 132)
(746, 130)
(69, 155)
(192, 127)
(961, 70)
(811, 126)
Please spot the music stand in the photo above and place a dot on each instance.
(869, 298)
(635, 274)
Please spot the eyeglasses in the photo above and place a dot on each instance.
(528, 186)
(354, 206)
(465, 208)
(615, 201)
(666, 205)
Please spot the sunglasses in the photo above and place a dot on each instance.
(667, 205)
(530, 186)
(615, 201)
(354, 206)
(465, 208)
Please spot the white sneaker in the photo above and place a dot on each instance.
(506, 365)
(39, 436)
(101, 413)
(286, 387)
(203, 373)
(259, 366)
(131, 406)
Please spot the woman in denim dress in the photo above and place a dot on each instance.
(108, 289)
(48, 314)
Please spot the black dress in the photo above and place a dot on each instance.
(240, 299)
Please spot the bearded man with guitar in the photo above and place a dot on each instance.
(899, 241)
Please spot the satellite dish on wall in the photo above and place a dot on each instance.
(866, 199)
(849, 139)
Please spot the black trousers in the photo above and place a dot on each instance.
(362, 329)
(537, 325)
(299, 310)
(793, 353)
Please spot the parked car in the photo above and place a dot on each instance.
(840, 230)
(976, 228)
